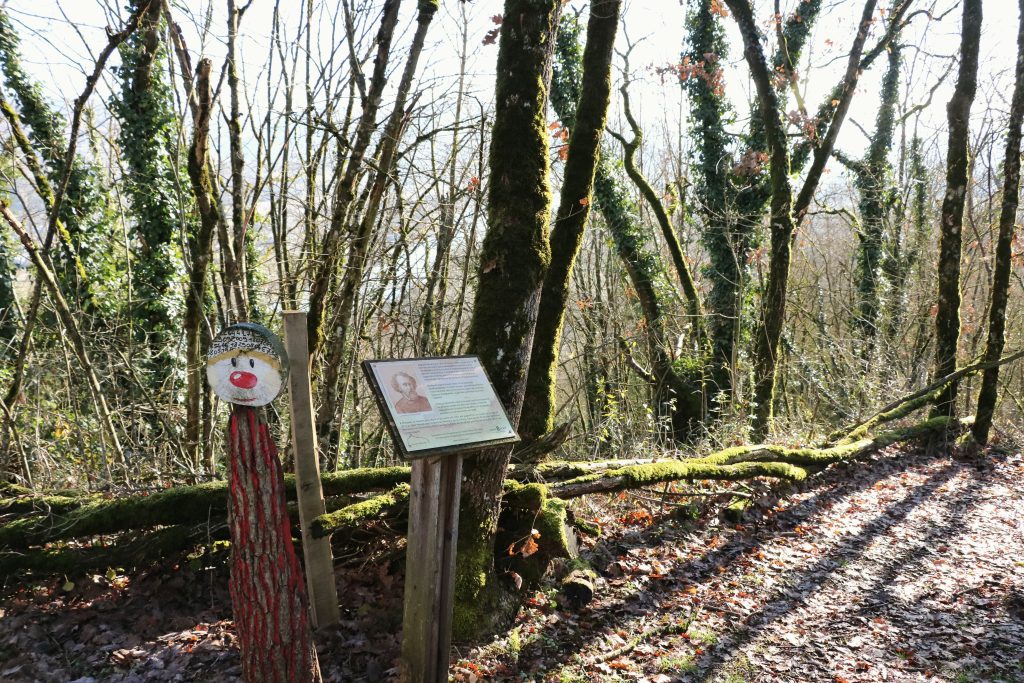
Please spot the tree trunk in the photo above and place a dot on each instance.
(872, 180)
(1001, 274)
(958, 112)
(786, 214)
(731, 192)
(345, 193)
(513, 259)
(586, 128)
(200, 248)
(268, 594)
(333, 401)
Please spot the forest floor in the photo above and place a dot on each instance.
(906, 567)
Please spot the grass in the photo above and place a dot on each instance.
(676, 664)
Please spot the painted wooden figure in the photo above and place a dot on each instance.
(247, 366)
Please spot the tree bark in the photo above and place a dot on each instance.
(571, 218)
(268, 593)
(958, 113)
(785, 214)
(333, 401)
(1001, 274)
(872, 181)
(513, 259)
(200, 248)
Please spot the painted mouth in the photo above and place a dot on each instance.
(243, 400)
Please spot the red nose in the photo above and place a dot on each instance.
(242, 380)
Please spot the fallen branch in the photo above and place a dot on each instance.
(179, 505)
(905, 405)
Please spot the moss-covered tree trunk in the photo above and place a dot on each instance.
(773, 307)
(958, 112)
(1003, 265)
(570, 220)
(201, 251)
(144, 110)
(872, 181)
(513, 259)
(786, 212)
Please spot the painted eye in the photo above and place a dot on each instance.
(234, 362)
(252, 363)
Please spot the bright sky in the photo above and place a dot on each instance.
(58, 37)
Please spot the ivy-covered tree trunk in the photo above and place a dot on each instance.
(905, 253)
(872, 178)
(677, 396)
(268, 593)
(731, 190)
(83, 213)
(726, 247)
(958, 113)
(8, 304)
(586, 129)
(513, 258)
(147, 124)
(786, 212)
(1004, 249)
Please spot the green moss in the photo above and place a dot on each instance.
(360, 480)
(524, 496)
(736, 508)
(589, 528)
(358, 513)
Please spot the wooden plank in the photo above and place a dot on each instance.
(323, 593)
(430, 568)
(451, 490)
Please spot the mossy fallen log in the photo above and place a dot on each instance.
(174, 506)
(33, 502)
(744, 462)
(203, 503)
(139, 549)
(386, 505)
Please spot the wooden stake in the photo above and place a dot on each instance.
(430, 568)
(323, 593)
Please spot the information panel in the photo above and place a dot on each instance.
(438, 405)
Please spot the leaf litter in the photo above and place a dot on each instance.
(906, 567)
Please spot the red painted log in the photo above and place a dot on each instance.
(268, 593)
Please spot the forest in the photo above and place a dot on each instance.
(745, 276)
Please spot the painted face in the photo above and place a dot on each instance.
(246, 379)
(246, 365)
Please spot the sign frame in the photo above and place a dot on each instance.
(392, 425)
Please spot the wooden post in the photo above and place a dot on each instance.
(430, 568)
(323, 593)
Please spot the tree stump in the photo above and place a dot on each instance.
(268, 594)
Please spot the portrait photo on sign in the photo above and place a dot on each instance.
(407, 393)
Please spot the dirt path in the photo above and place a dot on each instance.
(905, 568)
(908, 569)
